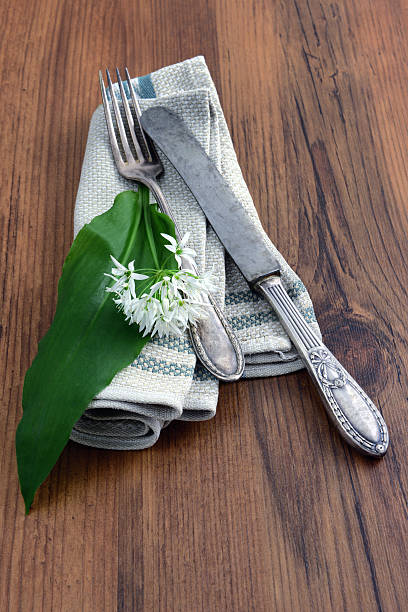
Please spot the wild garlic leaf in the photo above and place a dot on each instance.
(88, 341)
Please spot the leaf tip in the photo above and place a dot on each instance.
(28, 502)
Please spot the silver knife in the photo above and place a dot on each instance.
(353, 413)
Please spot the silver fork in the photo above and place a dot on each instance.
(213, 339)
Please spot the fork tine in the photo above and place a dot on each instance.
(119, 122)
(111, 130)
(129, 118)
(151, 151)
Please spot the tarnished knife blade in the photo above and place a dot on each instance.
(234, 227)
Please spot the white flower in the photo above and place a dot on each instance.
(188, 312)
(165, 324)
(145, 312)
(124, 278)
(192, 286)
(120, 269)
(179, 248)
(124, 302)
(164, 327)
(169, 305)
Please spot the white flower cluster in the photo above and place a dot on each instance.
(169, 300)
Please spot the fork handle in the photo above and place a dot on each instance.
(213, 340)
(358, 421)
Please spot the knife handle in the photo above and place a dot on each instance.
(214, 342)
(353, 413)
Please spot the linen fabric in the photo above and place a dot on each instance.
(166, 382)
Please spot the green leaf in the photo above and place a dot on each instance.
(89, 340)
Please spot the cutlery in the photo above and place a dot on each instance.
(353, 413)
(214, 342)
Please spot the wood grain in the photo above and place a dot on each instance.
(263, 508)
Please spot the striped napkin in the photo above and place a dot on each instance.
(166, 382)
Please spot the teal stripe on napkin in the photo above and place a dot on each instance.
(146, 89)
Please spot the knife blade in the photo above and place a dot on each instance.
(252, 255)
(355, 416)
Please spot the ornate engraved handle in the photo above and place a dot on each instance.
(351, 410)
(214, 342)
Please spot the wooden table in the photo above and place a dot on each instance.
(263, 508)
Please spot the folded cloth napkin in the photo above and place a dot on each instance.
(166, 382)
